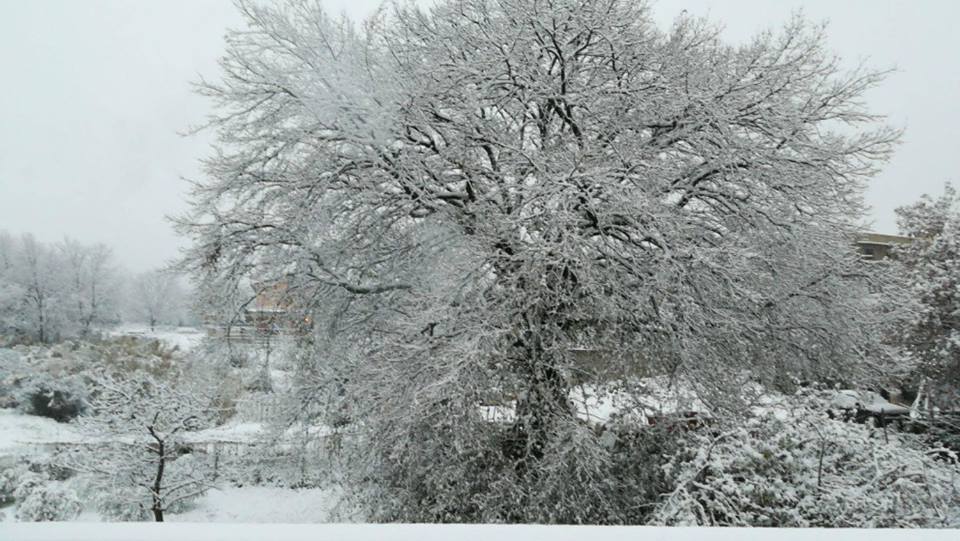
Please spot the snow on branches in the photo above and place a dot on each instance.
(932, 262)
(800, 468)
(459, 199)
(141, 463)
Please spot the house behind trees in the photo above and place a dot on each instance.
(877, 246)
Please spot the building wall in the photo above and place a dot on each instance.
(876, 247)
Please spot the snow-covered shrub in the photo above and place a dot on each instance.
(49, 468)
(10, 479)
(128, 354)
(610, 475)
(801, 468)
(6, 486)
(56, 381)
(61, 399)
(26, 483)
(20, 478)
(49, 502)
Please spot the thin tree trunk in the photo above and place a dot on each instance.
(41, 321)
(157, 507)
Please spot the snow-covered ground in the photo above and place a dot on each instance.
(597, 405)
(21, 434)
(434, 532)
(249, 504)
(228, 433)
(649, 397)
(266, 504)
(185, 338)
(19, 431)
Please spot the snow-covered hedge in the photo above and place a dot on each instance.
(801, 468)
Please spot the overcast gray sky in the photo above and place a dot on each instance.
(94, 93)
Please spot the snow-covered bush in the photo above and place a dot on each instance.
(129, 354)
(26, 483)
(589, 475)
(801, 468)
(19, 478)
(61, 399)
(10, 479)
(49, 502)
(57, 380)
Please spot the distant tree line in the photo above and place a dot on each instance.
(51, 291)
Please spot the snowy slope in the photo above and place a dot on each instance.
(18, 431)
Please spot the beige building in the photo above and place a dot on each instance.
(875, 246)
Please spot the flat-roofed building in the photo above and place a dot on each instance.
(876, 246)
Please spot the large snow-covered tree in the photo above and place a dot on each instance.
(463, 199)
(932, 263)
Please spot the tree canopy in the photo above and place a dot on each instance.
(462, 199)
(931, 262)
